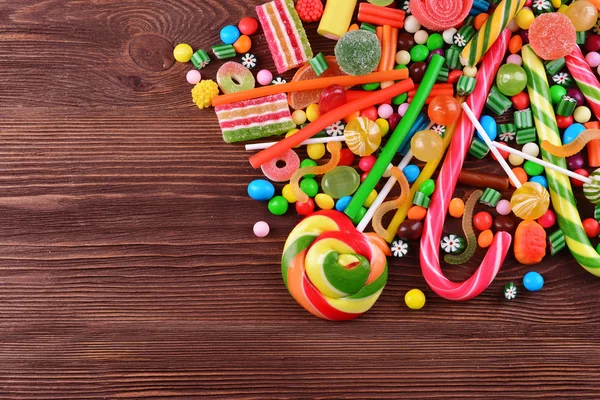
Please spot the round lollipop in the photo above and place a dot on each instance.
(591, 189)
(363, 136)
(426, 145)
(530, 201)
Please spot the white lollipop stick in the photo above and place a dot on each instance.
(488, 141)
(262, 146)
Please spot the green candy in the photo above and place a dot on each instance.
(401, 98)
(308, 163)
(427, 187)
(419, 53)
(556, 93)
(371, 86)
(358, 52)
(533, 169)
(278, 205)
(435, 41)
(309, 186)
(361, 213)
(511, 79)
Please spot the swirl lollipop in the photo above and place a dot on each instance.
(334, 271)
(363, 136)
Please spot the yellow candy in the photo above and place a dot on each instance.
(383, 125)
(515, 159)
(290, 133)
(324, 201)
(470, 71)
(525, 18)
(287, 194)
(363, 136)
(315, 151)
(183, 52)
(312, 112)
(582, 114)
(426, 145)
(583, 15)
(414, 299)
(530, 201)
(204, 92)
(563, 9)
(370, 199)
(299, 117)
(556, 3)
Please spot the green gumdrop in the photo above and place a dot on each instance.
(435, 41)
(556, 93)
(278, 205)
(370, 86)
(340, 181)
(511, 79)
(427, 187)
(358, 52)
(309, 186)
(533, 169)
(308, 163)
(419, 53)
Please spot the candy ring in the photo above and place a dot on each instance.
(233, 77)
(363, 136)
(288, 162)
(332, 270)
(439, 15)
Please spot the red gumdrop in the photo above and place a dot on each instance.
(547, 220)
(564, 122)
(520, 101)
(591, 227)
(577, 182)
(248, 26)
(331, 98)
(346, 157)
(305, 208)
(552, 36)
(443, 110)
(366, 163)
(369, 112)
(483, 220)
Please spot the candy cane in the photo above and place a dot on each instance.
(446, 182)
(561, 193)
(585, 79)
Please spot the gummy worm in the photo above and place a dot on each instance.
(334, 148)
(567, 150)
(391, 205)
(467, 226)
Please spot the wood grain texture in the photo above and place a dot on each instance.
(128, 268)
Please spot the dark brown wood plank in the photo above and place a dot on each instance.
(128, 268)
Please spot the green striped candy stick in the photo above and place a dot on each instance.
(561, 194)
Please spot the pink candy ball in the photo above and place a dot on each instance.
(264, 77)
(503, 207)
(514, 59)
(261, 229)
(547, 220)
(384, 111)
(193, 76)
(402, 109)
(593, 59)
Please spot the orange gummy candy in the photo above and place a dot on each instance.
(530, 243)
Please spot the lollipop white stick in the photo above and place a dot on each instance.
(262, 146)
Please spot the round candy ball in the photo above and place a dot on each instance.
(435, 41)
(358, 52)
(583, 14)
(540, 179)
(414, 299)
(531, 149)
(426, 145)
(278, 205)
(265, 77)
(411, 24)
(591, 227)
(533, 281)
(366, 163)
(483, 220)
(419, 53)
(342, 203)
(316, 151)
(593, 59)
(515, 159)
(261, 229)
(261, 190)
(183, 53)
(411, 172)
(503, 207)
(305, 208)
(552, 36)
(448, 35)
(525, 18)
(456, 208)
(402, 109)
(309, 186)
(582, 114)
(324, 201)
(384, 111)
(533, 169)
(299, 117)
(556, 93)
(287, 193)
(490, 127)
(421, 37)
(229, 34)
(248, 26)
(511, 79)
(193, 76)
(514, 59)
(402, 57)
(547, 220)
(444, 110)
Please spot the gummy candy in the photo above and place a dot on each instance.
(358, 52)
(233, 77)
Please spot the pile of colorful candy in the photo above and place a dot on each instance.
(415, 80)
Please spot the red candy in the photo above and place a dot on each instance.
(454, 75)
(577, 182)
(439, 15)
(547, 220)
(552, 36)
(248, 26)
(520, 101)
(366, 163)
(305, 208)
(591, 227)
(363, 177)
(503, 153)
(331, 98)
(369, 112)
(592, 43)
(309, 10)
(346, 157)
(564, 122)
(483, 220)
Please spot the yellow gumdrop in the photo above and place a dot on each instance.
(370, 199)
(183, 52)
(299, 117)
(287, 194)
(315, 151)
(383, 125)
(312, 112)
(525, 18)
(324, 201)
(290, 133)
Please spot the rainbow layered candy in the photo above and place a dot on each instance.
(331, 269)
(285, 34)
(255, 119)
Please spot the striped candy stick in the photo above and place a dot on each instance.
(446, 182)
(559, 184)
(585, 79)
(490, 31)
(315, 262)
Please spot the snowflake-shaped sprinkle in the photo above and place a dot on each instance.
(439, 129)
(459, 40)
(451, 243)
(406, 7)
(560, 78)
(597, 27)
(399, 248)
(507, 136)
(278, 81)
(249, 60)
(541, 5)
(335, 129)
(510, 291)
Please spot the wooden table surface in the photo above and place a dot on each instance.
(128, 264)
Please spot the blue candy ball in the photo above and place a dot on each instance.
(539, 179)
(572, 132)
(489, 125)
(342, 203)
(533, 281)
(261, 190)
(230, 34)
(411, 172)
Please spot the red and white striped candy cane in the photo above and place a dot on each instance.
(585, 79)
(446, 182)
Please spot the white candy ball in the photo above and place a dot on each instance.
(402, 57)
(421, 37)
(411, 25)
(531, 149)
(448, 35)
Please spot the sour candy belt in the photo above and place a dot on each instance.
(446, 182)
(559, 184)
(331, 269)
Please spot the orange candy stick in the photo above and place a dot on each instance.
(334, 148)
(381, 15)
(319, 83)
(593, 147)
(329, 118)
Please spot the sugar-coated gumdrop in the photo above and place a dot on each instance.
(511, 79)
(426, 145)
(363, 136)
(552, 36)
(583, 14)
(443, 110)
(358, 52)
(530, 201)
(331, 98)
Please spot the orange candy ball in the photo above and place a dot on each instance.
(416, 212)
(242, 45)
(443, 110)
(479, 21)
(515, 44)
(456, 208)
(521, 175)
(485, 238)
